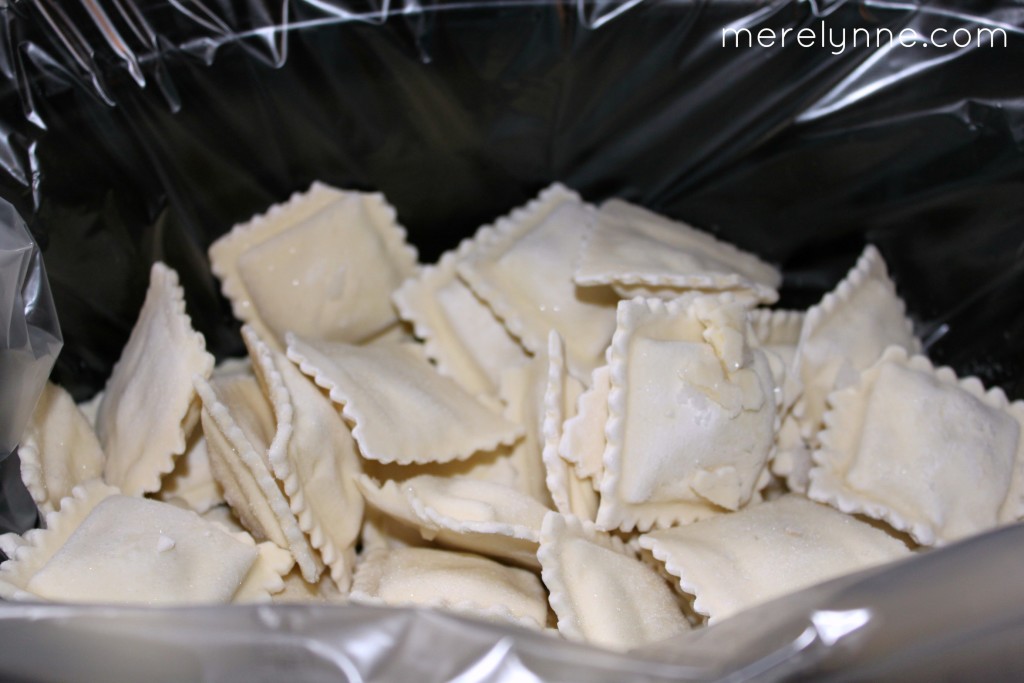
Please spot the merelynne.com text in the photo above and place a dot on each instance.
(839, 39)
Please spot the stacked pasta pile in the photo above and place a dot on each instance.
(583, 419)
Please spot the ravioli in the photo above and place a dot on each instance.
(937, 457)
(461, 513)
(319, 466)
(322, 265)
(846, 333)
(59, 449)
(460, 333)
(449, 580)
(737, 561)
(148, 405)
(630, 246)
(523, 269)
(601, 594)
(522, 390)
(103, 546)
(245, 432)
(583, 441)
(192, 480)
(402, 409)
(691, 413)
(571, 494)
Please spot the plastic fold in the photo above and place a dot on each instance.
(133, 131)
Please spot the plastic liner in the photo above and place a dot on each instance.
(30, 336)
(136, 130)
(30, 340)
(141, 129)
(876, 625)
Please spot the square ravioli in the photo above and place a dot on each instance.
(933, 456)
(148, 406)
(522, 391)
(570, 493)
(582, 442)
(777, 331)
(523, 270)
(630, 246)
(461, 582)
(246, 431)
(318, 467)
(467, 514)
(846, 333)
(322, 265)
(691, 413)
(460, 333)
(59, 449)
(600, 592)
(403, 410)
(106, 547)
(740, 560)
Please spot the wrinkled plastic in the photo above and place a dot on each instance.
(30, 336)
(136, 130)
(30, 341)
(880, 624)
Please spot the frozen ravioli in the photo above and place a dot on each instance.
(745, 558)
(460, 582)
(582, 441)
(601, 593)
(319, 465)
(402, 409)
(59, 449)
(846, 333)
(149, 407)
(523, 269)
(460, 333)
(322, 265)
(106, 547)
(467, 514)
(629, 246)
(192, 480)
(522, 391)
(777, 332)
(691, 413)
(934, 456)
(570, 493)
(248, 426)
(299, 591)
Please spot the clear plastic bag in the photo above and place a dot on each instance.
(137, 130)
(30, 340)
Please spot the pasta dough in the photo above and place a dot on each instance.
(846, 333)
(59, 449)
(460, 333)
(462, 513)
